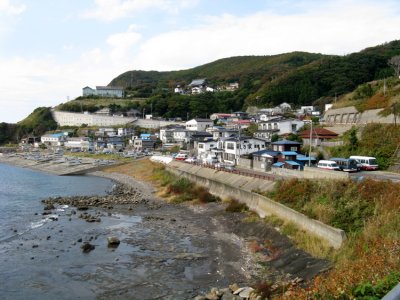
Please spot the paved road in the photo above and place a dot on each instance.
(379, 175)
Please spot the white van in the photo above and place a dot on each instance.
(328, 165)
(366, 162)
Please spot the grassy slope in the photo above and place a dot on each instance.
(224, 70)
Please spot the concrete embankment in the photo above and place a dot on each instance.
(242, 188)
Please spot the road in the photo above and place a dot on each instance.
(378, 175)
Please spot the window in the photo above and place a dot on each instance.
(230, 146)
(293, 149)
(201, 146)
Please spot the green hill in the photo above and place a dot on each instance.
(298, 77)
(36, 124)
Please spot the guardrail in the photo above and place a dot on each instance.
(269, 177)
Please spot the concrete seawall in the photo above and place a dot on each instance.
(225, 185)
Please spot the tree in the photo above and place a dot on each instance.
(394, 62)
(393, 109)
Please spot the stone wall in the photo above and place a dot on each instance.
(241, 188)
(350, 115)
(77, 119)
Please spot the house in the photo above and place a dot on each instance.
(55, 139)
(318, 136)
(221, 116)
(115, 142)
(144, 144)
(232, 86)
(279, 126)
(198, 86)
(104, 91)
(179, 90)
(125, 131)
(205, 148)
(104, 132)
(167, 133)
(286, 145)
(198, 124)
(233, 147)
(264, 159)
(81, 143)
(221, 132)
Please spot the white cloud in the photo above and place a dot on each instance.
(29, 83)
(12, 9)
(338, 27)
(122, 44)
(110, 10)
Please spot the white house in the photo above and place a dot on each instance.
(82, 143)
(233, 148)
(179, 90)
(206, 148)
(125, 131)
(277, 126)
(56, 139)
(198, 124)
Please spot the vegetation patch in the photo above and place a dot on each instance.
(235, 206)
(366, 267)
(377, 140)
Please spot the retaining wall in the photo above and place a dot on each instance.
(241, 188)
(311, 173)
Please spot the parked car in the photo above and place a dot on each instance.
(181, 156)
(210, 159)
(328, 165)
(192, 159)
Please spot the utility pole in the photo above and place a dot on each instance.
(309, 151)
(384, 87)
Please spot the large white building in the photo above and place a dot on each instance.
(104, 91)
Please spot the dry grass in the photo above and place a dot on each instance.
(140, 169)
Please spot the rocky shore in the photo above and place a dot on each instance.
(131, 245)
(221, 244)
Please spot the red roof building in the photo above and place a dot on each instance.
(318, 136)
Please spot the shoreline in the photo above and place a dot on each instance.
(221, 235)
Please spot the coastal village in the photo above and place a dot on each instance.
(254, 162)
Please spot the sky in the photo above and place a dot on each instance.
(51, 49)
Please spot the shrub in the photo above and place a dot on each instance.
(236, 206)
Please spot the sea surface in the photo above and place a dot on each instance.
(166, 251)
(22, 189)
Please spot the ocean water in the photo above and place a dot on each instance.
(22, 189)
(165, 253)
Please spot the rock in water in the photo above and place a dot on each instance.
(87, 247)
(113, 241)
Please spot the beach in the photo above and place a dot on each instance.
(166, 251)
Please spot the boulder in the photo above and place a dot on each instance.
(87, 247)
(113, 241)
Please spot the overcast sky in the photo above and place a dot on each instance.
(51, 49)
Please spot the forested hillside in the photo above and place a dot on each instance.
(298, 78)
